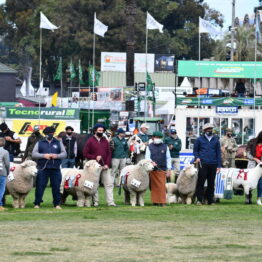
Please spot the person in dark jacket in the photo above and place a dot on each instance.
(174, 144)
(119, 153)
(240, 89)
(31, 141)
(97, 148)
(49, 153)
(207, 153)
(159, 153)
(70, 145)
(12, 141)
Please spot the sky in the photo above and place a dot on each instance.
(225, 7)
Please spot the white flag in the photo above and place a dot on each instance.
(151, 23)
(41, 90)
(31, 89)
(258, 26)
(45, 23)
(206, 27)
(99, 27)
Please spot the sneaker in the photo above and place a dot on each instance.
(199, 203)
(112, 205)
(2, 208)
(36, 206)
(259, 202)
(58, 207)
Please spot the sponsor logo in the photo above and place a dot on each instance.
(185, 159)
(226, 109)
(228, 101)
(187, 101)
(207, 101)
(248, 101)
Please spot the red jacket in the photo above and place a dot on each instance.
(94, 148)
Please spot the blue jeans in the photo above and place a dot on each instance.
(41, 183)
(259, 187)
(2, 188)
(68, 163)
(11, 157)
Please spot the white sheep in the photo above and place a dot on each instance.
(135, 180)
(82, 183)
(247, 180)
(20, 182)
(171, 193)
(186, 184)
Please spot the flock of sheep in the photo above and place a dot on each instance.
(82, 184)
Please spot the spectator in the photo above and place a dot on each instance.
(240, 88)
(159, 153)
(207, 153)
(97, 148)
(31, 141)
(49, 152)
(119, 153)
(70, 145)
(228, 148)
(254, 155)
(4, 170)
(13, 142)
(174, 144)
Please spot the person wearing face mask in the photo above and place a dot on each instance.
(228, 148)
(120, 151)
(31, 141)
(49, 153)
(207, 153)
(145, 139)
(159, 153)
(70, 145)
(97, 148)
(174, 144)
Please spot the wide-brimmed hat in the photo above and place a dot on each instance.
(144, 125)
(207, 125)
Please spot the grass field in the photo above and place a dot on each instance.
(228, 231)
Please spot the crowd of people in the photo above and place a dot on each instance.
(113, 154)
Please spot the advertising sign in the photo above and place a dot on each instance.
(45, 113)
(164, 63)
(226, 109)
(186, 158)
(219, 69)
(111, 61)
(24, 128)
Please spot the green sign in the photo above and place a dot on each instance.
(220, 69)
(218, 101)
(45, 113)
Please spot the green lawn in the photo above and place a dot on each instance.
(228, 231)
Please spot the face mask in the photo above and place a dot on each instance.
(209, 133)
(157, 141)
(49, 136)
(69, 133)
(99, 134)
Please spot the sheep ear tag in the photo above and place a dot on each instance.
(88, 184)
(10, 177)
(77, 178)
(135, 183)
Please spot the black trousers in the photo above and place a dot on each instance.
(206, 172)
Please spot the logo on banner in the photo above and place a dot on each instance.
(248, 101)
(207, 101)
(187, 101)
(228, 101)
(185, 159)
(226, 109)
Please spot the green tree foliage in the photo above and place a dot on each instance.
(19, 28)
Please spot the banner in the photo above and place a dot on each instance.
(164, 63)
(24, 128)
(45, 113)
(218, 101)
(220, 69)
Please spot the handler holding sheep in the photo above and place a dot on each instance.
(159, 153)
(49, 153)
(207, 152)
(97, 148)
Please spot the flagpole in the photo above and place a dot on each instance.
(145, 101)
(255, 83)
(40, 74)
(61, 81)
(93, 75)
(199, 79)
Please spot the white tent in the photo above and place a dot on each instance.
(185, 83)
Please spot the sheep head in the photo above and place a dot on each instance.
(146, 164)
(94, 165)
(29, 168)
(190, 170)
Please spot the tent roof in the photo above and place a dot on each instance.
(185, 83)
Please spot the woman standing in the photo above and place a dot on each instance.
(254, 154)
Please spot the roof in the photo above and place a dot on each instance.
(6, 69)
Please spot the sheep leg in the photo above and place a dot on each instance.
(22, 201)
(127, 197)
(63, 198)
(88, 201)
(133, 198)
(188, 200)
(80, 199)
(141, 198)
(15, 202)
(248, 195)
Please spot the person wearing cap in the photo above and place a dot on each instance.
(13, 142)
(70, 144)
(228, 148)
(120, 151)
(97, 148)
(159, 153)
(49, 153)
(31, 141)
(207, 153)
(174, 144)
